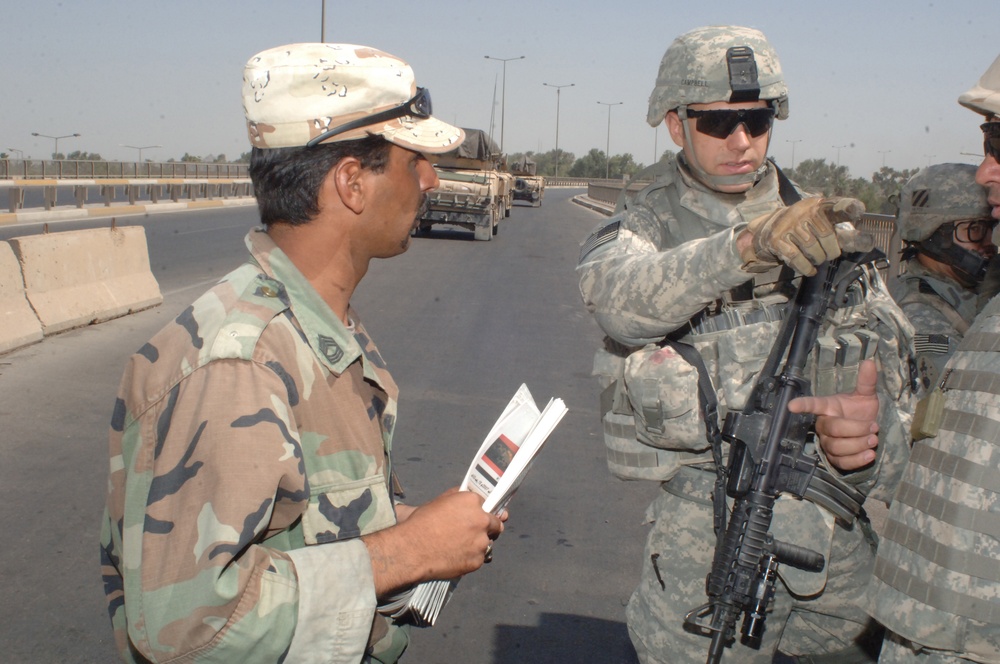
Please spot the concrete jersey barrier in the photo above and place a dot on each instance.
(19, 326)
(81, 277)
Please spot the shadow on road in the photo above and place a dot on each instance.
(563, 637)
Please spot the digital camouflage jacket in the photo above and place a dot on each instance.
(249, 450)
(667, 265)
(937, 574)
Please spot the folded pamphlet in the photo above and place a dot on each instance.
(497, 470)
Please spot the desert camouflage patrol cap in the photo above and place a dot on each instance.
(937, 195)
(300, 94)
(984, 97)
(727, 63)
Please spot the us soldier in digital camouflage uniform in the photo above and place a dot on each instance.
(945, 222)
(250, 510)
(699, 256)
(937, 576)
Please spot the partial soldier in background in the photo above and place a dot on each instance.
(703, 260)
(945, 223)
(937, 576)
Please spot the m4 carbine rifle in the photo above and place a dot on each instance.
(767, 458)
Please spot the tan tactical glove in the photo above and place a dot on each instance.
(804, 235)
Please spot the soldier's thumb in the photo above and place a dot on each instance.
(867, 379)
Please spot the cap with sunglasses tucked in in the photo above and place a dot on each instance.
(984, 97)
(305, 94)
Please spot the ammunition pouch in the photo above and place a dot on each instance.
(662, 391)
(658, 457)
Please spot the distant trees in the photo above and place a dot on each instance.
(545, 162)
(80, 155)
(590, 165)
(880, 194)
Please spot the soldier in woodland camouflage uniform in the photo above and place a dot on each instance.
(945, 222)
(250, 513)
(708, 255)
(937, 575)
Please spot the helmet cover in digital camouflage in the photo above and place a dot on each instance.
(984, 97)
(937, 195)
(697, 68)
(294, 93)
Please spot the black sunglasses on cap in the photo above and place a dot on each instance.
(419, 106)
(991, 139)
(723, 122)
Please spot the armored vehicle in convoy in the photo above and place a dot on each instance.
(527, 185)
(474, 193)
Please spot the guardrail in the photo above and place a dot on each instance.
(565, 181)
(132, 189)
(60, 169)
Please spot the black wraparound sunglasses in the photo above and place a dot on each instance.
(723, 122)
(419, 106)
(991, 139)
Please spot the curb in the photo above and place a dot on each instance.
(587, 202)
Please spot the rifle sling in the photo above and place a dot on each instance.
(709, 404)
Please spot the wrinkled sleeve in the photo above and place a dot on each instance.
(207, 468)
(640, 287)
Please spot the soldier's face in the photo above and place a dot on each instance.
(400, 192)
(988, 176)
(736, 154)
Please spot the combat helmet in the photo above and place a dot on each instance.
(930, 204)
(984, 97)
(717, 63)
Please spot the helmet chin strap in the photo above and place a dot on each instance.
(968, 266)
(714, 181)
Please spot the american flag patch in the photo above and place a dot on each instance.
(602, 235)
(936, 344)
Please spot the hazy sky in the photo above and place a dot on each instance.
(879, 78)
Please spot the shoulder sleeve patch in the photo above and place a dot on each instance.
(601, 236)
(936, 344)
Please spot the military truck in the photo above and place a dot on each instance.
(527, 186)
(474, 193)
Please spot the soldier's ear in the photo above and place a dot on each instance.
(675, 128)
(348, 181)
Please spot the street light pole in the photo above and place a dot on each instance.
(883, 153)
(558, 91)
(503, 93)
(837, 148)
(56, 139)
(607, 149)
(793, 142)
(322, 24)
(141, 148)
(19, 152)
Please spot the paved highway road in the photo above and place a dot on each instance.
(462, 324)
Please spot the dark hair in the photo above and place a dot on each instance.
(286, 181)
